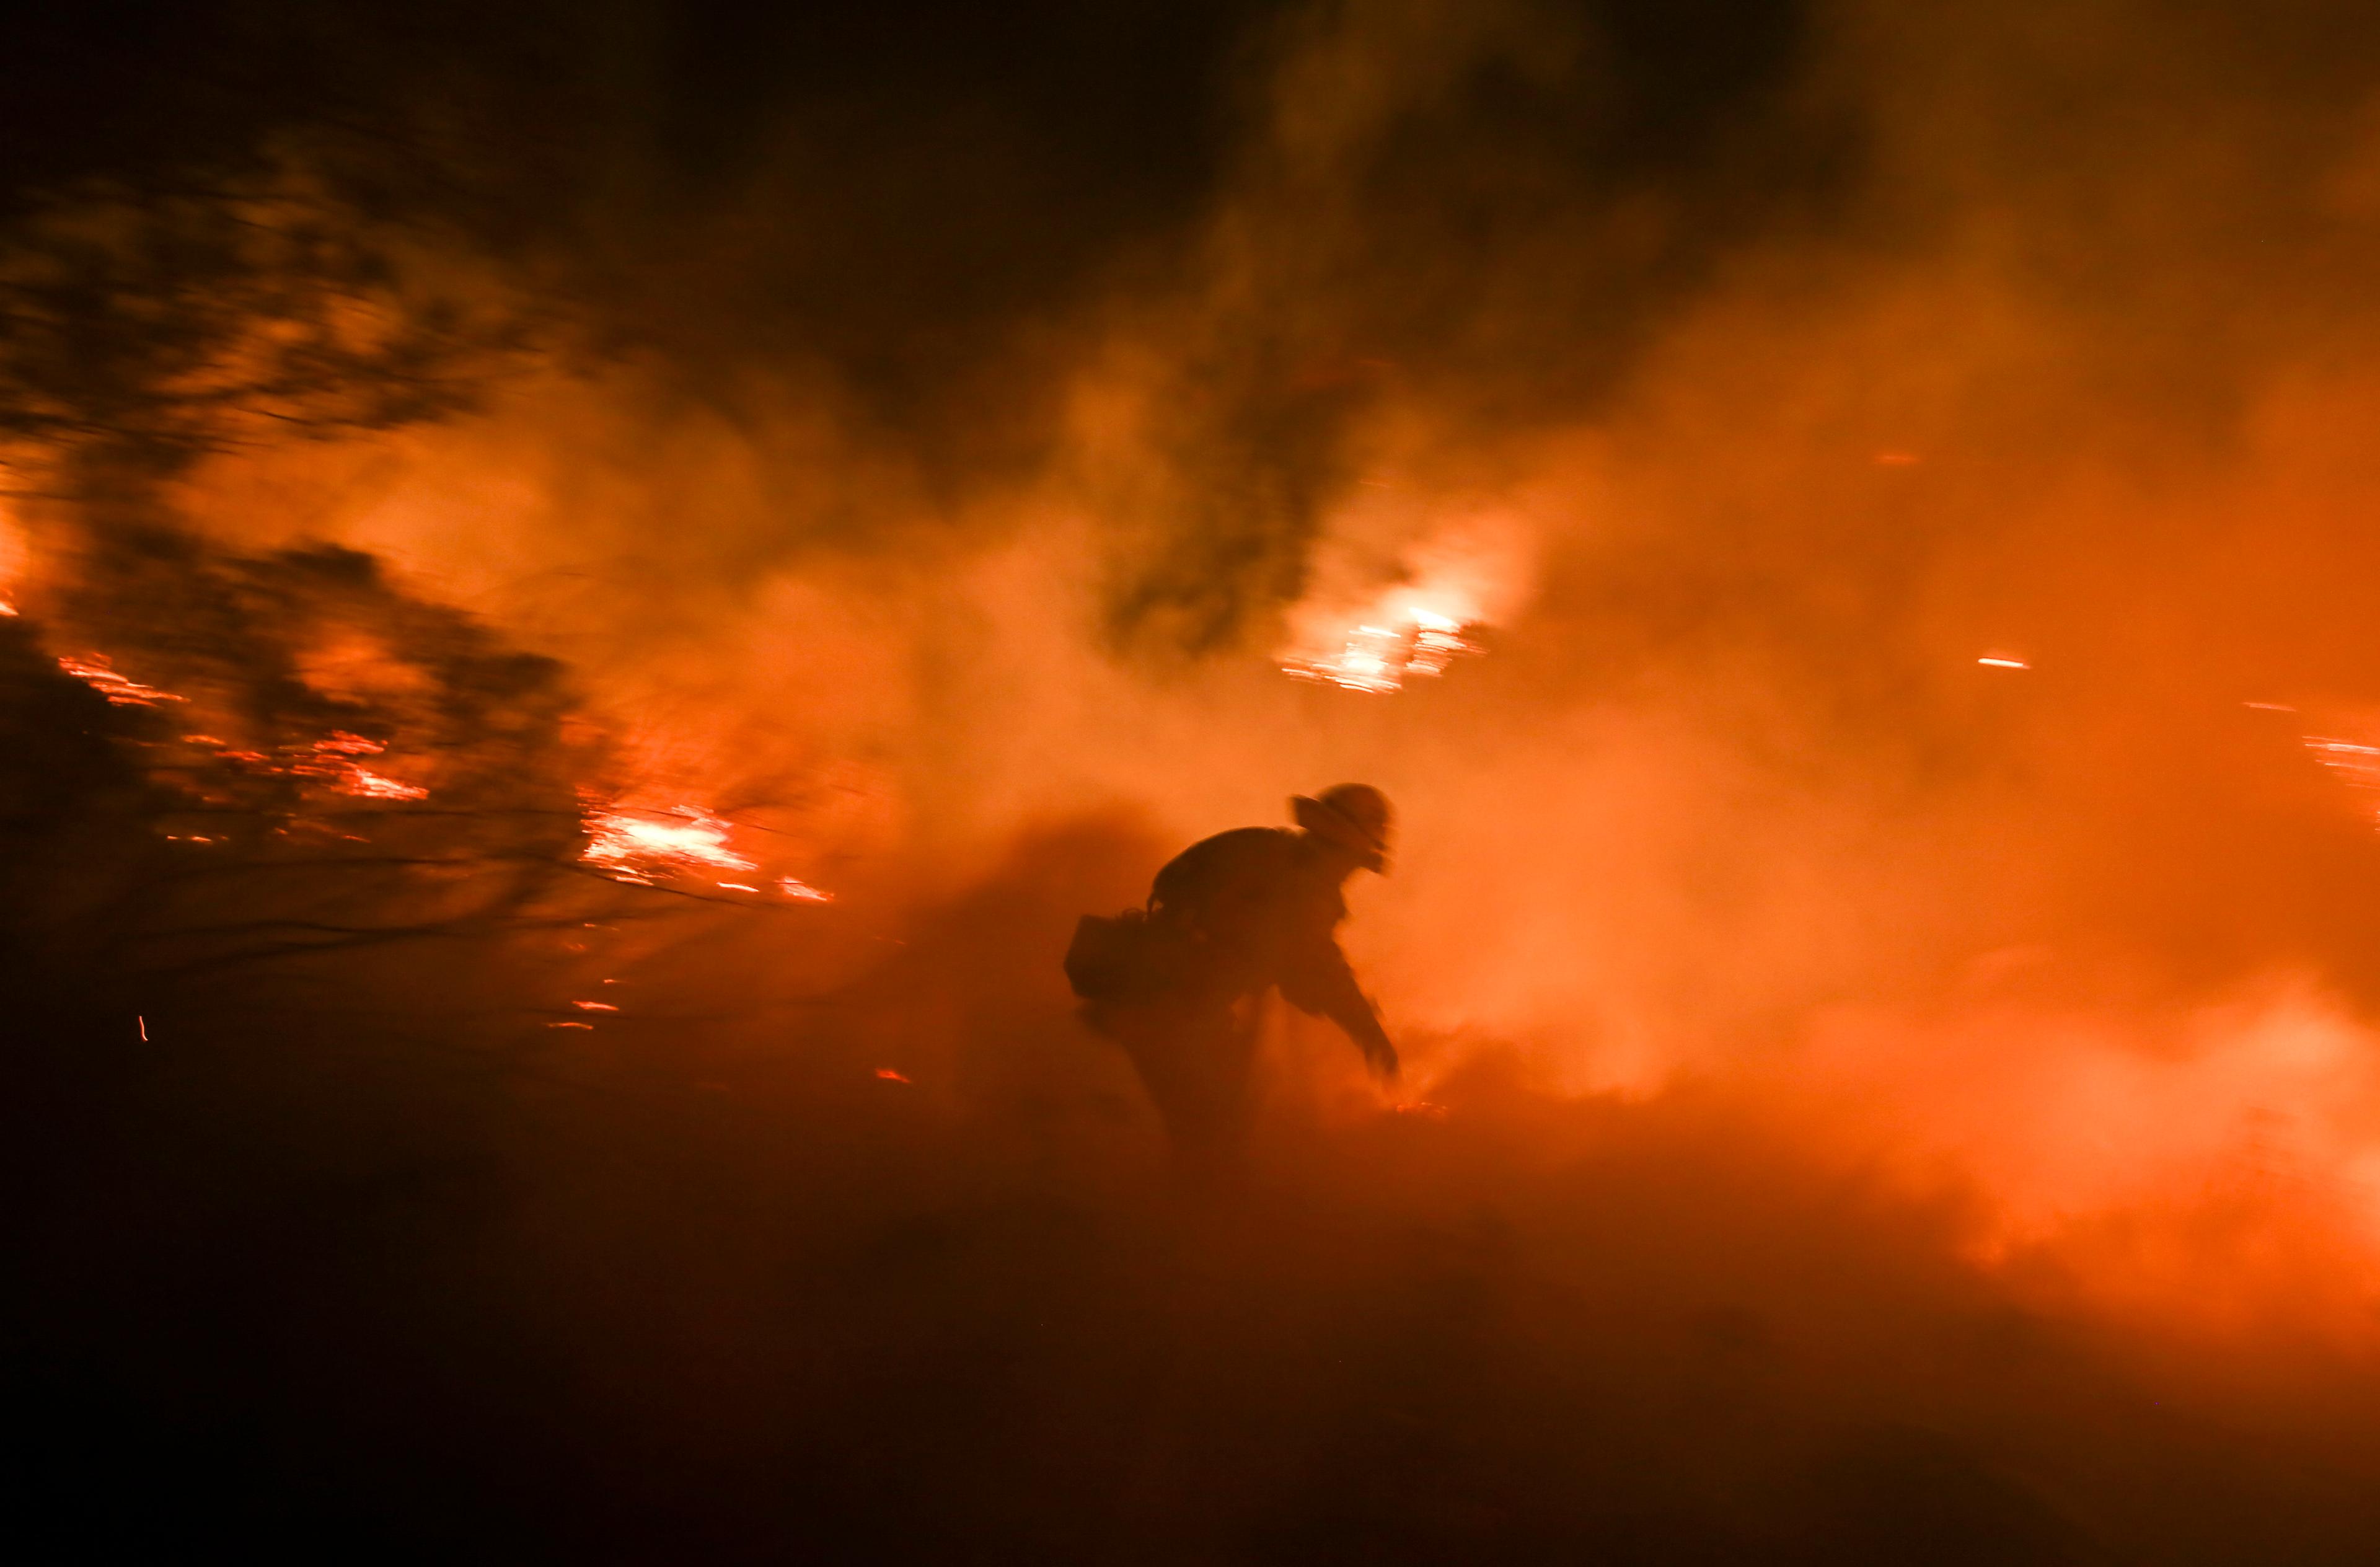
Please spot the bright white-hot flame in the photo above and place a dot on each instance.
(1360, 636)
(632, 846)
(642, 846)
(364, 783)
(1385, 649)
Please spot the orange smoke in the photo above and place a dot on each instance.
(1905, 792)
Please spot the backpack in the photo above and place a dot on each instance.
(1122, 958)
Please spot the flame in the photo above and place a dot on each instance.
(890, 1075)
(2002, 660)
(1375, 620)
(636, 846)
(640, 847)
(1384, 651)
(121, 691)
(330, 760)
(364, 783)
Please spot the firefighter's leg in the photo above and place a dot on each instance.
(1195, 1059)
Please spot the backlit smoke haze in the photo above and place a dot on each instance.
(1883, 930)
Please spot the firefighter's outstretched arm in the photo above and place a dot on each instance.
(1323, 983)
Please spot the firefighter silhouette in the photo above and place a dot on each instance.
(1180, 984)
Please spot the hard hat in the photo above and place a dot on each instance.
(1355, 817)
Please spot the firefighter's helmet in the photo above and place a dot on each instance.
(1354, 816)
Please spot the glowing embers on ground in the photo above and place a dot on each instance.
(648, 848)
(98, 672)
(1386, 650)
(330, 761)
(333, 761)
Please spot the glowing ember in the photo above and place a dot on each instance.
(587, 1026)
(6, 608)
(595, 1006)
(803, 892)
(890, 1075)
(1379, 657)
(2002, 660)
(120, 690)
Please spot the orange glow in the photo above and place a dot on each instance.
(888, 1074)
